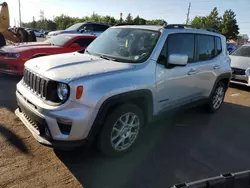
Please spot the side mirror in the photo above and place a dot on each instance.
(178, 59)
(75, 45)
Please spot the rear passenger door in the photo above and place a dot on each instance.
(208, 50)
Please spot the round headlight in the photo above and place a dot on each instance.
(62, 91)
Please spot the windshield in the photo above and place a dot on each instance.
(59, 40)
(242, 51)
(74, 27)
(125, 44)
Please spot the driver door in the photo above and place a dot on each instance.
(176, 84)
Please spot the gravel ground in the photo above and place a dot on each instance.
(184, 147)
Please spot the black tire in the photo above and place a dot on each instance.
(23, 34)
(31, 36)
(104, 140)
(2, 40)
(210, 105)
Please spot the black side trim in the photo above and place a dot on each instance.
(121, 99)
(221, 77)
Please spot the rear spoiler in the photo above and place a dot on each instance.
(236, 180)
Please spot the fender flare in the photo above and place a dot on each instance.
(223, 76)
(118, 99)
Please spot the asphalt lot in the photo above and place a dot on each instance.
(187, 146)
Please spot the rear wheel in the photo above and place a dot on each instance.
(217, 98)
(2, 40)
(121, 130)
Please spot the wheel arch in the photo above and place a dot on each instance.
(142, 98)
(225, 78)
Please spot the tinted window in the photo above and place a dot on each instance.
(84, 42)
(218, 45)
(99, 27)
(181, 44)
(206, 47)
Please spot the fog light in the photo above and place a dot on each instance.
(64, 125)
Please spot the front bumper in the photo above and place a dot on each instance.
(11, 66)
(43, 120)
(240, 79)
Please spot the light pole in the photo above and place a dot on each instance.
(20, 20)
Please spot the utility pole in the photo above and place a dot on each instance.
(20, 20)
(187, 20)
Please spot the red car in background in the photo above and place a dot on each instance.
(13, 57)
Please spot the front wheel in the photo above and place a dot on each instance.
(121, 130)
(217, 97)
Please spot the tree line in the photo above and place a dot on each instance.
(225, 24)
(63, 21)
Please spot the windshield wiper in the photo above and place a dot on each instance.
(108, 58)
(87, 52)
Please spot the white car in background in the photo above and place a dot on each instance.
(37, 33)
(240, 63)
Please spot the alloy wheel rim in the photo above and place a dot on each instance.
(218, 97)
(125, 131)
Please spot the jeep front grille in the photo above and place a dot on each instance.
(35, 83)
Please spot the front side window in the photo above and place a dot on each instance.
(206, 47)
(181, 44)
(242, 51)
(125, 44)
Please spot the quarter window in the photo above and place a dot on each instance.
(218, 45)
(181, 44)
(206, 47)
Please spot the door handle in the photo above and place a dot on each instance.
(192, 71)
(216, 67)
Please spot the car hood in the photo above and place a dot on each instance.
(71, 66)
(240, 62)
(18, 47)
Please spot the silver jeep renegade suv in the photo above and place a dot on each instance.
(127, 76)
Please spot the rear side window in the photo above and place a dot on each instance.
(84, 42)
(218, 45)
(181, 44)
(206, 47)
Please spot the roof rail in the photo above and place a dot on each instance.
(120, 24)
(184, 26)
